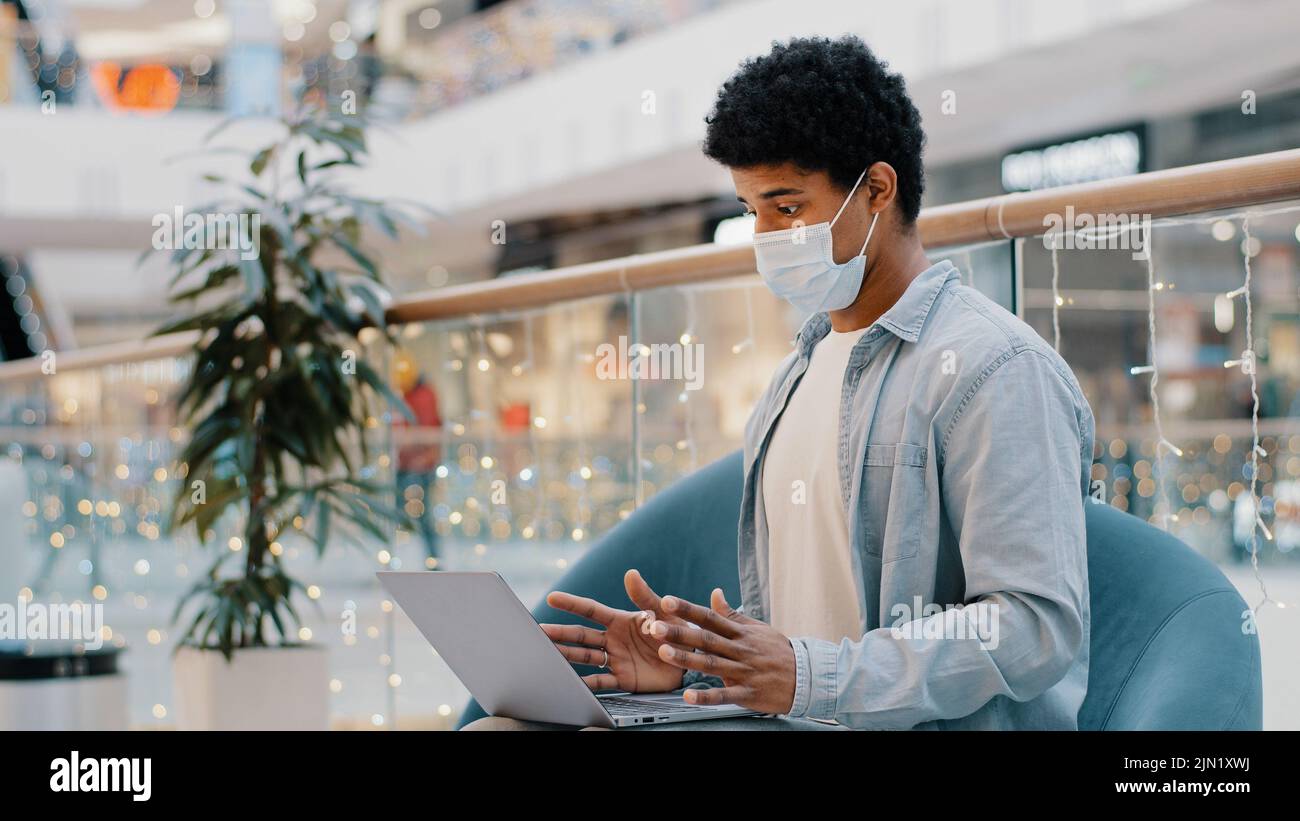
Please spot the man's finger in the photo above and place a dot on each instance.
(589, 609)
(639, 591)
(643, 596)
(582, 655)
(703, 616)
(575, 634)
(711, 696)
(704, 662)
(695, 638)
(601, 681)
(718, 601)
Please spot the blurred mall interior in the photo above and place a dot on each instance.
(531, 135)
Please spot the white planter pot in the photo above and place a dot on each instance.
(261, 688)
(78, 703)
(14, 547)
(47, 685)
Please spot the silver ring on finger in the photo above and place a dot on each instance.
(605, 664)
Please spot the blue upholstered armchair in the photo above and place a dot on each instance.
(1167, 650)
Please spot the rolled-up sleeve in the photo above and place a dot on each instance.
(1013, 485)
(802, 679)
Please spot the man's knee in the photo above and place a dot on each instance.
(495, 723)
(503, 723)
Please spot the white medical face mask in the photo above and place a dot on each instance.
(798, 264)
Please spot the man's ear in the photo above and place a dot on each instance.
(882, 183)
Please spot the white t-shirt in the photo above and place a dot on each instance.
(809, 564)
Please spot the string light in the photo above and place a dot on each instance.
(1056, 294)
(489, 425)
(1153, 369)
(527, 364)
(1248, 364)
(581, 421)
(536, 423)
(637, 465)
(687, 339)
(748, 342)
(390, 630)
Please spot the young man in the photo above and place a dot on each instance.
(912, 550)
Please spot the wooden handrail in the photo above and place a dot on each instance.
(1192, 189)
(1188, 190)
(116, 353)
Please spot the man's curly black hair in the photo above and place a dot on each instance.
(824, 105)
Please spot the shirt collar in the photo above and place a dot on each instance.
(904, 319)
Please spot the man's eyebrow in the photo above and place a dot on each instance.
(775, 192)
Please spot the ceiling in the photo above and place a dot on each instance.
(173, 29)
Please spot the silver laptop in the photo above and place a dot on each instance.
(500, 653)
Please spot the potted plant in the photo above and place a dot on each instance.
(277, 405)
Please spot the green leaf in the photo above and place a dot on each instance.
(254, 277)
(322, 525)
(359, 258)
(221, 126)
(350, 140)
(216, 278)
(374, 309)
(261, 158)
(375, 381)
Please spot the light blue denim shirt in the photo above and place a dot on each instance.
(965, 451)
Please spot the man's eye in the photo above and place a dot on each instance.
(788, 210)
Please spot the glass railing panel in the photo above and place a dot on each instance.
(519, 459)
(88, 463)
(537, 432)
(708, 352)
(1198, 483)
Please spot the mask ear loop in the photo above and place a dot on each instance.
(845, 204)
(869, 230)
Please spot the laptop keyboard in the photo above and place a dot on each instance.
(632, 707)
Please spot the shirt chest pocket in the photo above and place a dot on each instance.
(891, 501)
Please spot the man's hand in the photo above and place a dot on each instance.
(753, 659)
(633, 661)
